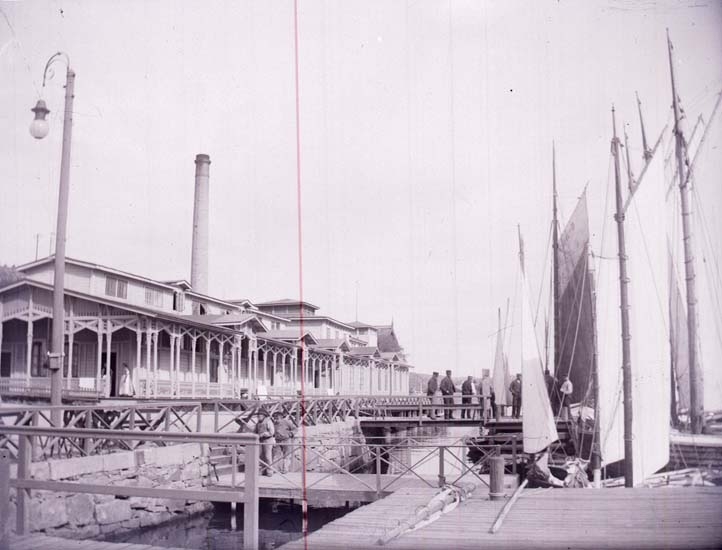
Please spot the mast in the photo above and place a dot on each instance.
(647, 151)
(555, 262)
(624, 307)
(596, 458)
(696, 393)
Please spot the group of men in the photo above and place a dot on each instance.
(559, 395)
(447, 389)
(276, 437)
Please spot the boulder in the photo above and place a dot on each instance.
(80, 509)
(46, 514)
(113, 511)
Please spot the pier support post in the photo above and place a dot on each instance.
(442, 475)
(496, 478)
(250, 493)
(4, 498)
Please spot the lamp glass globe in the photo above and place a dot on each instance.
(39, 128)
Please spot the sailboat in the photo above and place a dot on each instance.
(695, 313)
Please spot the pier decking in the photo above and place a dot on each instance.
(689, 517)
(45, 542)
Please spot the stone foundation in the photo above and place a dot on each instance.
(85, 515)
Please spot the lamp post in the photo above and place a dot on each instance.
(39, 129)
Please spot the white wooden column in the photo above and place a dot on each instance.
(221, 368)
(29, 344)
(99, 354)
(340, 378)
(208, 368)
(171, 358)
(148, 363)
(275, 367)
(71, 341)
(108, 342)
(294, 371)
(178, 370)
(156, 344)
(193, 364)
(138, 355)
(233, 368)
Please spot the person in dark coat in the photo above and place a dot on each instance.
(515, 389)
(447, 390)
(467, 390)
(432, 386)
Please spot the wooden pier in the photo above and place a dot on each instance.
(45, 542)
(345, 487)
(689, 517)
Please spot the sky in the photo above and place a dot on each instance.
(426, 132)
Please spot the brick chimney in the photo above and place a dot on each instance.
(199, 252)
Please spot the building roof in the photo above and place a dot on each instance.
(9, 275)
(229, 319)
(318, 318)
(333, 343)
(387, 340)
(364, 350)
(290, 336)
(286, 302)
(359, 324)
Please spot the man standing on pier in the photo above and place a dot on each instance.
(266, 430)
(515, 389)
(447, 390)
(566, 396)
(467, 390)
(485, 391)
(432, 386)
(285, 432)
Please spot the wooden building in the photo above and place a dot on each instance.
(131, 335)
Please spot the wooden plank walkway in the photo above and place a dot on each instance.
(45, 542)
(689, 517)
(358, 488)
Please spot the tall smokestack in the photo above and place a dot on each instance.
(199, 252)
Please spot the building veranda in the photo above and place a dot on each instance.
(129, 335)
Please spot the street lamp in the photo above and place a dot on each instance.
(39, 129)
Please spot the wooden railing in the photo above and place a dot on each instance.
(219, 416)
(66, 438)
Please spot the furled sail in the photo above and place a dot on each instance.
(678, 338)
(538, 423)
(498, 380)
(575, 355)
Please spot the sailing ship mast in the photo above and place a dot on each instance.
(624, 307)
(696, 394)
(555, 263)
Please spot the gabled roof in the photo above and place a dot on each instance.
(233, 319)
(317, 318)
(334, 344)
(179, 283)
(291, 336)
(365, 351)
(387, 340)
(286, 302)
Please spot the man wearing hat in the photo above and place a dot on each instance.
(432, 386)
(285, 431)
(447, 390)
(265, 431)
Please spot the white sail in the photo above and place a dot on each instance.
(537, 418)
(498, 380)
(649, 344)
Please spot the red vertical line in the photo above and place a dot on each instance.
(304, 499)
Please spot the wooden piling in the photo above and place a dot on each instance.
(496, 478)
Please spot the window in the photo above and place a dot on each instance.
(5, 364)
(38, 367)
(214, 369)
(116, 287)
(178, 301)
(153, 297)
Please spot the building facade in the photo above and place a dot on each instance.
(129, 335)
